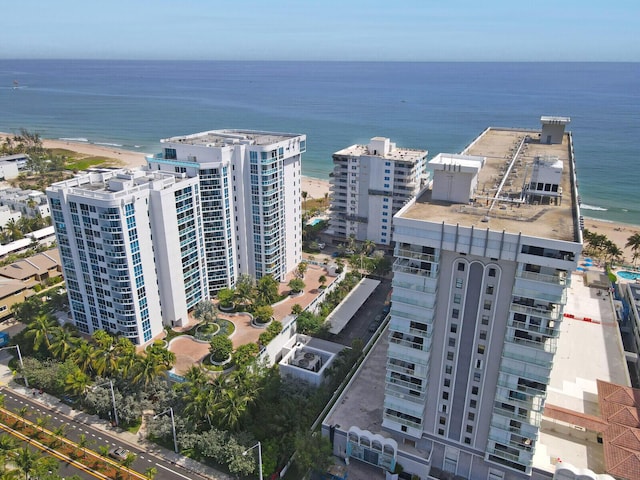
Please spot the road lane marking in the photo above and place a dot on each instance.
(173, 471)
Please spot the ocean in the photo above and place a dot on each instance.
(440, 107)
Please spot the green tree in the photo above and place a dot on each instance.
(226, 297)
(263, 314)
(313, 451)
(63, 342)
(244, 289)
(220, 348)
(82, 443)
(245, 354)
(77, 382)
(301, 269)
(26, 461)
(266, 291)
(633, 242)
(296, 285)
(41, 329)
(205, 312)
(151, 472)
(296, 309)
(8, 447)
(83, 356)
(147, 369)
(322, 280)
(231, 409)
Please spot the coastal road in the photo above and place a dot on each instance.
(144, 460)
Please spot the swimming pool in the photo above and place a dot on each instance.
(314, 222)
(628, 275)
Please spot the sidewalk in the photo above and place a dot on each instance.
(126, 438)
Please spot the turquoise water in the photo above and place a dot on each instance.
(440, 107)
(314, 222)
(628, 275)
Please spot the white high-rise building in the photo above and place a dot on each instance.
(132, 249)
(483, 260)
(369, 184)
(250, 193)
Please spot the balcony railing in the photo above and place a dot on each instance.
(540, 277)
(552, 314)
(424, 257)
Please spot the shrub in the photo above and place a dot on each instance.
(296, 285)
(263, 314)
(270, 333)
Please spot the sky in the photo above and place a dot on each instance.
(351, 30)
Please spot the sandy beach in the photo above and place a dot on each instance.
(316, 188)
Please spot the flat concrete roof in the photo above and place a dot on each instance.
(228, 137)
(410, 155)
(500, 186)
(589, 349)
(350, 305)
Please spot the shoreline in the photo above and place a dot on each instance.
(316, 188)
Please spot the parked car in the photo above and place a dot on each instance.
(386, 309)
(119, 453)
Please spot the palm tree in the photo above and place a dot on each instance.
(8, 446)
(128, 461)
(23, 412)
(322, 280)
(231, 409)
(151, 472)
(266, 290)
(301, 269)
(147, 369)
(244, 289)
(103, 339)
(633, 242)
(83, 356)
(26, 461)
(82, 443)
(304, 200)
(42, 422)
(63, 342)
(41, 330)
(77, 382)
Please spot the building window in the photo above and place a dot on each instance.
(452, 342)
(450, 356)
(487, 304)
(483, 334)
(473, 403)
(471, 416)
(442, 421)
(457, 298)
(454, 328)
(440, 431)
(455, 313)
(476, 376)
(448, 369)
(458, 283)
(485, 320)
(461, 266)
(445, 395)
(469, 429)
(467, 440)
(474, 390)
(492, 272)
(447, 382)
(481, 349)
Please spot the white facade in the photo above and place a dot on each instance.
(250, 187)
(369, 184)
(132, 250)
(479, 287)
(7, 215)
(29, 202)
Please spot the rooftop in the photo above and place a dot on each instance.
(499, 201)
(396, 154)
(589, 350)
(28, 267)
(227, 137)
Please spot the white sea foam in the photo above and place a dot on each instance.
(591, 207)
(79, 139)
(105, 144)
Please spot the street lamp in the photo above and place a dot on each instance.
(24, 376)
(173, 427)
(113, 399)
(259, 456)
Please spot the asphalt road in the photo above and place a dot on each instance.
(96, 437)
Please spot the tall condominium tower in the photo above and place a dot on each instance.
(132, 249)
(483, 260)
(250, 185)
(369, 184)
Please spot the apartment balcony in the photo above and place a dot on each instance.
(402, 420)
(520, 400)
(522, 338)
(557, 279)
(531, 418)
(522, 444)
(416, 343)
(507, 455)
(421, 256)
(522, 370)
(415, 267)
(403, 394)
(537, 329)
(548, 312)
(406, 384)
(559, 298)
(430, 288)
(512, 426)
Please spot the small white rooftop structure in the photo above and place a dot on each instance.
(455, 176)
(553, 129)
